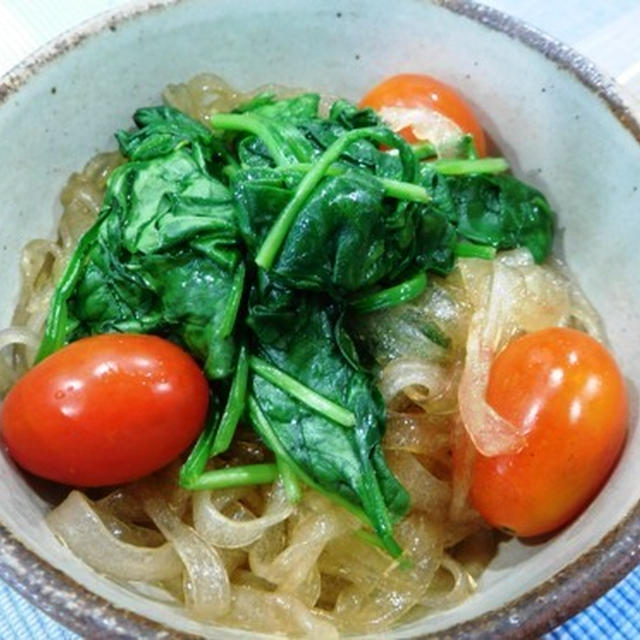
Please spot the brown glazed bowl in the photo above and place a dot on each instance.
(562, 126)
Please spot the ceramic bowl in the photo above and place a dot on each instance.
(562, 126)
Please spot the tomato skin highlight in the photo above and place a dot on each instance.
(105, 410)
(566, 393)
(412, 90)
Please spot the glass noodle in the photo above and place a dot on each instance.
(246, 557)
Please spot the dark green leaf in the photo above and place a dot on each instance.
(495, 210)
(163, 260)
(161, 131)
(297, 336)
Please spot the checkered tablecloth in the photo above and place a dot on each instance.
(607, 31)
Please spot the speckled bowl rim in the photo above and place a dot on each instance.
(532, 614)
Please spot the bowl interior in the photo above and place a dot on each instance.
(557, 134)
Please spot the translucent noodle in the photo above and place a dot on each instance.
(248, 559)
(43, 261)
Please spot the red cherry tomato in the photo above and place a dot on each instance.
(565, 392)
(105, 410)
(414, 91)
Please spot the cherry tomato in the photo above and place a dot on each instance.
(412, 91)
(565, 392)
(105, 410)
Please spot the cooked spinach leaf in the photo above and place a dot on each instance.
(495, 210)
(162, 258)
(297, 337)
(161, 131)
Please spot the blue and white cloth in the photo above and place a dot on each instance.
(606, 31)
(615, 616)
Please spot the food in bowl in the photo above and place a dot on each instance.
(361, 303)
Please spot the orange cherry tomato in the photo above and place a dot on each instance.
(565, 392)
(412, 90)
(105, 410)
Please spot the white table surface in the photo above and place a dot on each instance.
(606, 31)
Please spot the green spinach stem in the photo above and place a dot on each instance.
(195, 465)
(369, 538)
(308, 397)
(278, 232)
(240, 476)
(251, 124)
(470, 250)
(405, 190)
(455, 167)
(391, 297)
(424, 150)
(234, 407)
(289, 480)
(231, 312)
(393, 188)
(56, 325)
